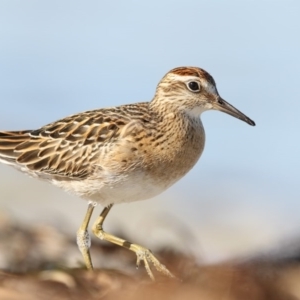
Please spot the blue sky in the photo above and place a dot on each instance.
(62, 57)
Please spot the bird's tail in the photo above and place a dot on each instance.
(9, 141)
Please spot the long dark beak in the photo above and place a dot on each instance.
(227, 108)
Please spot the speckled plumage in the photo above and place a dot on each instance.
(125, 153)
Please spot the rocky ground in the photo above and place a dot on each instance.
(40, 263)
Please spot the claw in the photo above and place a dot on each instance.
(147, 257)
(138, 261)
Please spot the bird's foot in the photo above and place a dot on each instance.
(145, 255)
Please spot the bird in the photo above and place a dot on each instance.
(122, 154)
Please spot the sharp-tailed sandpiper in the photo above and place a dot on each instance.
(122, 154)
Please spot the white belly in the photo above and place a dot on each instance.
(125, 189)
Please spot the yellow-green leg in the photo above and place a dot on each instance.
(83, 237)
(142, 253)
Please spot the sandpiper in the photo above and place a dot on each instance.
(122, 154)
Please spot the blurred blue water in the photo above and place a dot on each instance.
(62, 57)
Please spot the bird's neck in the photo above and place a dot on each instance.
(167, 112)
(176, 124)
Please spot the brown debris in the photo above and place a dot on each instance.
(40, 266)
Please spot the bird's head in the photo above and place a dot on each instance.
(192, 90)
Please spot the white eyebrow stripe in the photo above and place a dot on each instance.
(204, 83)
(182, 78)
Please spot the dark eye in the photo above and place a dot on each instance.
(194, 86)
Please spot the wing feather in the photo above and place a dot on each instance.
(69, 148)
